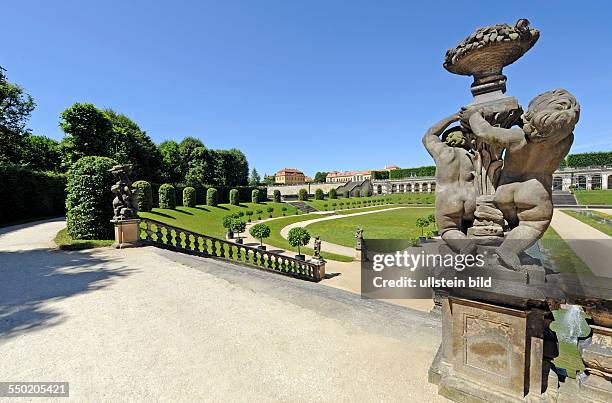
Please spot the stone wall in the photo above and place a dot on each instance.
(292, 190)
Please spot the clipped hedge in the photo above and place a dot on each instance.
(234, 197)
(319, 194)
(255, 196)
(31, 194)
(408, 172)
(89, 198)
(189, 197)
(333, 194)
(144, 195)
(303, 194)
(277, 196)
(167, 196)
(211, 197)
(589, 159)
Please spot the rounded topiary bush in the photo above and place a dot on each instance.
(303, 194)
(144, 195)
(167, 196)
(333, 194)
(319, 194)
(277, 196)
(89, 198)
(211, 197)
(189, 197)
(255, 196)
(234, 197)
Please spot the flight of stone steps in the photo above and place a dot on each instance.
(563, 198)
(303, 207)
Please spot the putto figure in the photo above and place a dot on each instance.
(533, 153)
(455, 191)
(124, 203)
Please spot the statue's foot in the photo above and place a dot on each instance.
(509, 259)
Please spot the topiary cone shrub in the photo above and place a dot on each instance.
(144, 195)
(333, 194)
(189, 197)
(255, 196)
(167, 196)
(211, 197)
(319, 194)
(89, 198)
(277, 196)
(303, 195)
(234, 197)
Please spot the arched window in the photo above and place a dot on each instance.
(596, 182)
(557, 183)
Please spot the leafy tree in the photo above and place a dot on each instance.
(41, 153)
(268, 180)
(89, 132)
(260, 231)
(234, 167)
(254, 179)
(187, 146)
(319, 194)
(422, 223)
(16, 107)
(303, 194)
(202, 168)
(172, 163)
(297, 237)
(320, 177)
(333, 194)
(238, 226)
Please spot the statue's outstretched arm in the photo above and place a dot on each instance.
(495, 135)
(431, 139)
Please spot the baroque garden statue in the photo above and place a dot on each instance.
(124, 203)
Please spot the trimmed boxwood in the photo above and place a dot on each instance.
(30, 194)
(211, 197)
(234, 197)
(319, 194)
(144, 195)
(167, 196)
(277, 196)
(89, 198)
(333, 194)
(189, 197)
(303, 195)
(255, 196)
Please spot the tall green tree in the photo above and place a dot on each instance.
(320, 177)
(41, 153)
(234, 169)
(254, 178)
(15, 109)
(203, 168)
(172, 163)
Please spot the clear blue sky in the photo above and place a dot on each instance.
(312, 84)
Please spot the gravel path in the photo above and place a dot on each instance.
(150, 325)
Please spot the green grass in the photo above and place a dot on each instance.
(395, 224)
(65, 242)
(355, 202)
(208, 220)
(605, 228)
(564, 258)
(601, 197)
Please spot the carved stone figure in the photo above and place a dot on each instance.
(124, 203)
(533, 153)
(317, 248)
(455, 191)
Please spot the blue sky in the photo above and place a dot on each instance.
(312, 84)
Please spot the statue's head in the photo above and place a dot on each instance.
(553, 112)
(454, 137)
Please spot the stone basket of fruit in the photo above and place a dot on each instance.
(487, 51)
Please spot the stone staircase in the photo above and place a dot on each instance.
(563, 198)
(303, 207)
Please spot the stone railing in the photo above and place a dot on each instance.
(179, 240)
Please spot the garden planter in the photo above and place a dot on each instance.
(422, 239)
(435, 233)
(239, 240)
(300, 257)
(261, 247)
(230, 235)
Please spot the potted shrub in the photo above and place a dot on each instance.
(227, 224)
(422, 223)
(260, 231)
(249, 213)
(258, 212)
(432, 220)
(270, 210)
(298, 237)
(238, 226)
(325, 206)
(284, 210)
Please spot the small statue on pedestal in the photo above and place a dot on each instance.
(124, 203)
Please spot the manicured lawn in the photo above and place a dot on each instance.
(209, 220)
(564, 258)
(395, 224)
(600, 197)
(605, 228)
(64, 242)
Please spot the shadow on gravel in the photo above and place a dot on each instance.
(31, 279)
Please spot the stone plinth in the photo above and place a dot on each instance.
(127, 233)
(490, 352)
(597, 356)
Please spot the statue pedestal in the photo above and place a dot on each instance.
(491, 352)
(320, 262)
(127, 233)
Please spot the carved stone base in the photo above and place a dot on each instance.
(491, 353)
(596, 353)
(127, 233)
(320, 262)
